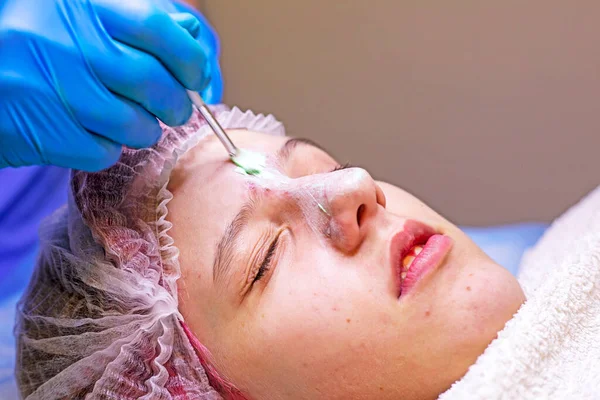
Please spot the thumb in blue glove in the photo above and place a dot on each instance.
(209, 41)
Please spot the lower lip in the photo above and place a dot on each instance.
(431, 257)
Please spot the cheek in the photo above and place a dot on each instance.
(402, 203)
(310, 336)
(485, 297)
(325, 308)
(312, 301)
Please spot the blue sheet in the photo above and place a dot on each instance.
(18, 277)
(505, 244)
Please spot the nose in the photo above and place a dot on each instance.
(353, 199)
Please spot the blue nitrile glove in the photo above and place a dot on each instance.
(209, 40)
(80, 78)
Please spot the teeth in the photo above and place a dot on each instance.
(407, 261)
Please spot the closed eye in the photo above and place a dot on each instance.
(266, 263)
(342, 166)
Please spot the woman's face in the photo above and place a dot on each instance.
(293, 279)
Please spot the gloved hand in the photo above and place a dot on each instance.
(209, 40)
(81, 78)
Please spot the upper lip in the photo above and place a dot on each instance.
(413, 233)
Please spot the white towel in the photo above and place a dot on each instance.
(550, 349)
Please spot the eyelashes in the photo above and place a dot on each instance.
(342, 166)
(266, 263)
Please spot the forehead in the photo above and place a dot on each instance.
(243, 139)
(205, 176)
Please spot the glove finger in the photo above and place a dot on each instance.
(142, 79)
(38, 129)
(209, 40)
(188, 22)
(116, 118)
(152, 30)
(66, 143)
(213, 93)
(97, 153)
(207, 35)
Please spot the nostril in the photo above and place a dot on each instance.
(360, 213)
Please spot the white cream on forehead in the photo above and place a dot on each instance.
(255, 164)
(250, 162)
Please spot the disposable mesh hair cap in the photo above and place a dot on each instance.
(100, 317)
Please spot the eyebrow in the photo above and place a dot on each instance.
(227, 245)
(286, 150)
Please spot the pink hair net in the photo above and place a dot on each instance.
(100, 317)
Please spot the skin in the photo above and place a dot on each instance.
(325, 321)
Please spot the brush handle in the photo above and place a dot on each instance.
(213, 123)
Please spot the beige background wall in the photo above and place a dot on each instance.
(489, 111)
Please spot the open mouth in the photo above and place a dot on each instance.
(408, 259)
(414, 251)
